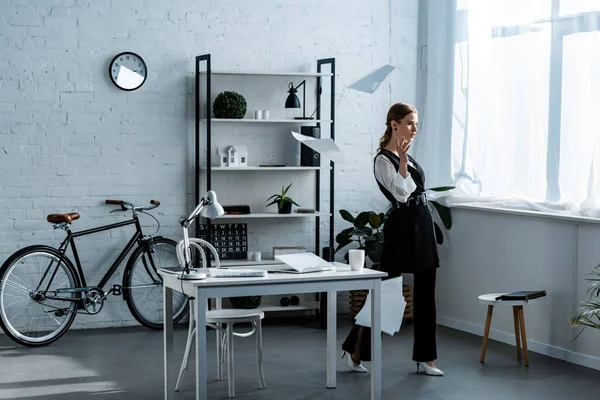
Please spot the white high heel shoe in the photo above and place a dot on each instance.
(352, 365)
(429, 370)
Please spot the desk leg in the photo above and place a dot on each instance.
(168, 339)
(376, 370)
(331, 339)
(201, 389)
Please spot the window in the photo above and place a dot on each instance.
(526, 96)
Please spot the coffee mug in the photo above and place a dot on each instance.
(356, 259)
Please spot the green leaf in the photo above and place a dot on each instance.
(442, 188)
(286, 190)
(362, 219)
(375, 220)
(347, 216)
(444, 213)
(439, 236)
(276, 196)
(271, 203)
(345, 235)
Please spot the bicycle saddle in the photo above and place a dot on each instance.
(58, 218)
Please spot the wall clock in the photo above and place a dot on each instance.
(127, 71)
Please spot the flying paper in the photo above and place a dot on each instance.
(326, 147)
(370, 82)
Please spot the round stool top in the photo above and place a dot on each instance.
(490, 299)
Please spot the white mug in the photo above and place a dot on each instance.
(356, 259)
(250, 256)
(258, 114)
(265, 114)
(257, 256)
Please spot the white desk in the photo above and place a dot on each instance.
(275, 283)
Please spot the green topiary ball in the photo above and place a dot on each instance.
(229, 105)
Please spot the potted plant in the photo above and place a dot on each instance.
(229, 104)
(588, 314)
(283, 201)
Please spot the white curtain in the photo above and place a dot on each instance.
(521, 79)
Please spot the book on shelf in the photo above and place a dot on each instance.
(522, 295)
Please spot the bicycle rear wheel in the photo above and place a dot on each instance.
(30, 313)
(143, 287)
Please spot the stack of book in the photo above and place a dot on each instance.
(522, 295)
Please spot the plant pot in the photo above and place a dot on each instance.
(245, 302)
(286, 208)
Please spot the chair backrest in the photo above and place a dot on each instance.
(200, 245)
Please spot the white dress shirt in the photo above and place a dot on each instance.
(392, 180)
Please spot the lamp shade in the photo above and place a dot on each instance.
(292, 101)
(213, 209)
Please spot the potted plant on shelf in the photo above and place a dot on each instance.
(229, 104)
(588, 314)
(283, 201)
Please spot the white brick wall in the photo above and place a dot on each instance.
(69, 139)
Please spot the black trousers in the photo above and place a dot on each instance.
(358, 341)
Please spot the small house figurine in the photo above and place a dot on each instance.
(233, 156)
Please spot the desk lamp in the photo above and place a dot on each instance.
(208, 207)
(293, 101)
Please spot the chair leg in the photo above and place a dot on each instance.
(220, 346)
(188, 348)
(523, 335)
(230, 372)
(486, 333)
(517, 331)
(259, 355)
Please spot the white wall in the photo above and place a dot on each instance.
(491, 252)
(69, 139)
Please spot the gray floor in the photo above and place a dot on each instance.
(127, 364)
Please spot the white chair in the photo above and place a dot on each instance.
(223, 321)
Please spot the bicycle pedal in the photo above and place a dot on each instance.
(117, 290)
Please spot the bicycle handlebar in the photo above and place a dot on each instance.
(125, 205)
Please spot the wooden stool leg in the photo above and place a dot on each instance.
(517, 331)
(523, 335)
(486, 332)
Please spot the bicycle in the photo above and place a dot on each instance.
(41, 290)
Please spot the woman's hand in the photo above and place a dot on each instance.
(402, 146)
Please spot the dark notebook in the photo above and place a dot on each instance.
(522, 295)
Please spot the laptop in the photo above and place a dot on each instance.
(301, 263)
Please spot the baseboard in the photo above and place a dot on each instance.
(537, 347)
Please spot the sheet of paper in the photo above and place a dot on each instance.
(326, 147)
(341, 266)
(392, 307)
(370, 82)
(304, 262)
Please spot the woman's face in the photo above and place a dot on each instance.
(406, 128)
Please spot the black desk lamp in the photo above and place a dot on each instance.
(292, 100)
(209, 207)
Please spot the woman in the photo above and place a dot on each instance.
(409, 239)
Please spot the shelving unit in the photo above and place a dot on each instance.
(204, 124)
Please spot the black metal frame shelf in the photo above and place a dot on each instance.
(207, 74)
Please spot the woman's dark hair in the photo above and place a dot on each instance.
(396, 113)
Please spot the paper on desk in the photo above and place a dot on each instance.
(392, 307)
(326, 147)
(305, 262)
(370, 82)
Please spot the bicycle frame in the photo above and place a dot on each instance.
(69, 240)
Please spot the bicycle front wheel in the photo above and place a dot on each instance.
(143, 287)
(35, 309)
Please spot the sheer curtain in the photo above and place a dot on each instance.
(524, 96)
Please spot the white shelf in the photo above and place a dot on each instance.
(268, 73)
(304, 305)
(291, 168)
(272, 215)
(270, 121)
